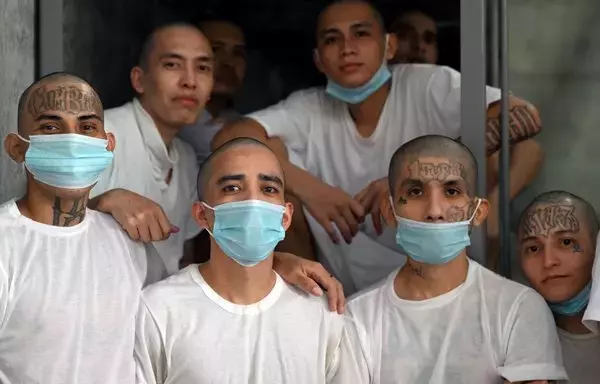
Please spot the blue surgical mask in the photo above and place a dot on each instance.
(359, 94)
(69, 161)
(574, 305)
(433, 243)
(248, 231)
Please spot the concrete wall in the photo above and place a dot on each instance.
(17, 64)
(554, 51)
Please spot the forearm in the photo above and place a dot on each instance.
(523, 123)
(525, 163)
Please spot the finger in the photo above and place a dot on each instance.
(335, 292)
(144, 233)
(376, 217)
(360, 195)
(156, 233)
(328, 227)
(340, 222)
(164, 224)
(132, 232)
(357, 209)
(350, 221)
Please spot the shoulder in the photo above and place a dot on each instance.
(165, 292)
(423, 76)
(119, 118)
(9, 214)
(365, 305)
(105, 225)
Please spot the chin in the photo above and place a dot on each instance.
(354, 80)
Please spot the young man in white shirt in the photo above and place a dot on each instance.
(236, 318)
(340, 140)
(417, 36)
(443, 318)
(70, 277)
(557, 240)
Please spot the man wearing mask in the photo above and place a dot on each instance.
(229, 49)
(417, 38)
(443, 318)
(173, 81)
(339, 141)
(70, 278)
(237, 318)
(557, 239)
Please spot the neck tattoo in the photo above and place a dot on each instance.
(68, 213)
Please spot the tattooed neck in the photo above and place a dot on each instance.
(67, 213)
(417, 271)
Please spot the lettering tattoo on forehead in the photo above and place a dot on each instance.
(436, 171)
(541, 221)
(70, 98)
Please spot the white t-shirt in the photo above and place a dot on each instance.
(188, 334)
(141, 164)
(591, 317)
(321, 138)
(68, 300)
(487, 328)
(581, 356)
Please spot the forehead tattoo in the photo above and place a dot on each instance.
(541, 221)
(436, 171)
(71, 99)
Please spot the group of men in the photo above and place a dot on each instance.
(371, 169)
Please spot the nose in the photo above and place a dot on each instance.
(349, 47)
(188, 79)
(550, 258)
(435, 209)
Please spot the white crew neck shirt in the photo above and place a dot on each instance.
(487, 329)
(68, 300)
(188, 334)
(580, 354)
(321, 138)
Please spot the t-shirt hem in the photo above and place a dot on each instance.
(533, 372)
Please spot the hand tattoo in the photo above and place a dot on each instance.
(521, 126)
(74, 214)
(557, 216)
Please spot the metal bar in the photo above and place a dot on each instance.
(51, 39)
(504, 182)
(473, 102)
(494, 41)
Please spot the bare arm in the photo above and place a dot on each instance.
(524, 123)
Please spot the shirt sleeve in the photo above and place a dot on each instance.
(149, 353)
(290, 119)
(591, 317)
(532, 347)
(444, 100)
(353, 367)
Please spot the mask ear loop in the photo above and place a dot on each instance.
(475, 211)
(212, 209)
(22, 138)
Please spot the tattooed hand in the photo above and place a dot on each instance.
(370, 198)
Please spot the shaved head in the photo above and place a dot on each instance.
(149, 43)
(58, 91)
(558, 210)
(375, 13)
(461, 159)
(206, 169)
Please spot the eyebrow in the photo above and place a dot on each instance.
(171, 55)
(271, 178)
(357, 25)
(411, 183)
(529, 238)
(58, 118)
(226, 178)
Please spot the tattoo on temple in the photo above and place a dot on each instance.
(70, 99)
(459, 213)
(74, 214)
(557, 216)
(577, 248)
(436, 171)
(521, 126)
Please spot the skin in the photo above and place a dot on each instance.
(61, 105)
(240, 173)
(417, 39)
(177, 80)
(556, 251)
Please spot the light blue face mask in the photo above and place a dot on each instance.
(433, 243)
(574, 305)
(248, 231)
(69, 161)
(359, 94)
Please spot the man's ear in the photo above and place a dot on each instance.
(388, 213)
(203, 216)
(136, 75)
(317, 60)
(391, 46)
(481, 213)
(287, 215)
(15, 147)
(112, 143)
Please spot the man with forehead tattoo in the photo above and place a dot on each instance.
(70, 277)
(443, 318)
(557, 240)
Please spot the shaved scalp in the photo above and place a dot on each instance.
(559, 210)
(374, 11)
(461, 158)
(148, 45)
(206, 170)
(38, 97)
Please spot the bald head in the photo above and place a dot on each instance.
(460, 160)
(558, 211)
(338, 6)
(55, 93)
(207, 168)
(150, 41)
